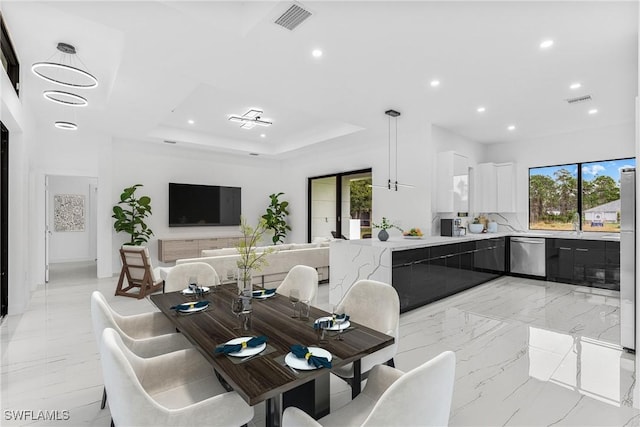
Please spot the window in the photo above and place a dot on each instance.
(583, 196)
(8, 56)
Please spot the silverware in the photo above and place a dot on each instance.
(244, 359)
(292, 370)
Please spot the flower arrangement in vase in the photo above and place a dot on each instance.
(385, 225)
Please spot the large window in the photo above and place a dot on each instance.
(584, 196)
(8, 56)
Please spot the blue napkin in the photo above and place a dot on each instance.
(323, 324)
(302, 352)
(263, 292)
(190, 305)
(234, 348)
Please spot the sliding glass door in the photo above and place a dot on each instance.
(339, 205)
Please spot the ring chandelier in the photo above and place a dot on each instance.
(50, 71)
(65, 98)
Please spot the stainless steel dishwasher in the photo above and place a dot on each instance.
(528, 256)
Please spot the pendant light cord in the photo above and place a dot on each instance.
(389, 155)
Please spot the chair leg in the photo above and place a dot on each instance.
(391, 363)
(104, 398)
(112, 424)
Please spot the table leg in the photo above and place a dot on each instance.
(273, 408)
(357, 379)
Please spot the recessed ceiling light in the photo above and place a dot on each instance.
(66, 125)
(190, 121)
(546, 44)
(481, 110)
(317, 53)
(263, 135)
(435, 83)
(253, 154)
(593, 111)
(511, 127)
(575, 86)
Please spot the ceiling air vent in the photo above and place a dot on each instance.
(166, 141)
(579, 99)
(293, 17)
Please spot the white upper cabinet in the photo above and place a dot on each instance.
(452, 194)
(494, 187)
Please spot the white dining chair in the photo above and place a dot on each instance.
(178, 276)
(147, 335)
(174, 389)
(420, 397)
(375, 305)
(303, 278)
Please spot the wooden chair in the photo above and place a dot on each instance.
(136, 267)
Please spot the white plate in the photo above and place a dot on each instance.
(265, 296)
(188, 291)
(337, 325)
(413, 237)
(193, 309)
(302, 364)
(249, 351)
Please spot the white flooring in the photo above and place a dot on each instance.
(529, 353)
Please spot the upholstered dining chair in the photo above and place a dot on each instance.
(147, 335)
(375, 305)
(178, 276)
(178, 388)
(391, 398)
(138, 272)
(303, 278)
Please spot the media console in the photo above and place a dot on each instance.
(170, 250)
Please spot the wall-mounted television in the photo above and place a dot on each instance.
(192, 205)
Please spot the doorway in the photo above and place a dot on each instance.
(4, 220)
(339, 205)
(70, 227)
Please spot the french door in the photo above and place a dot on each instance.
(339, 205)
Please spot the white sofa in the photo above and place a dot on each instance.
(284, 257)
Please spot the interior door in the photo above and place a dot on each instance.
(47, 229)
(4, 220)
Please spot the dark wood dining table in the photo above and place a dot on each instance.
(266, 377)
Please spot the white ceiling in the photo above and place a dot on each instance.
(161, 63)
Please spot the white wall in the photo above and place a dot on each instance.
(611, 142)
(66, 246)
(154, 165)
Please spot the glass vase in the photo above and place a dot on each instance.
(245, 287)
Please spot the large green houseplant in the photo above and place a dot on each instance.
(129, 215)
(276, 218)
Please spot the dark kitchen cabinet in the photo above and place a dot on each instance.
(583, 262)
(428, 274)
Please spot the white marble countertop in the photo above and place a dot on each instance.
(400, 243)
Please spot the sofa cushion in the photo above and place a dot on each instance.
(218, 252)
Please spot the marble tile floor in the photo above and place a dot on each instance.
(529, 353)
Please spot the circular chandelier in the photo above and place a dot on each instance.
(66, 125)
(65, 98)
(68, 75)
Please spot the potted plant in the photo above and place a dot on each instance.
(276, 218)
(130, 219)
(385, 225)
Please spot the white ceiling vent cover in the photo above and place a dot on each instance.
(292, 17)
(579, 99)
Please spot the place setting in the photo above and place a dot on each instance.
(193, 289)
(242, 349)
(335, 323)
(302, 358)
(263, 294)
(190, 307)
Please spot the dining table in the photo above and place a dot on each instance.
(266, 377)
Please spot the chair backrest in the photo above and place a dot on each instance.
(137, 261)
(129, 403)
(102, 316)
(422, 396)
(300, 277)
(373, 304)
(178, 277)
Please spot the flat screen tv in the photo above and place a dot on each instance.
(203, 205)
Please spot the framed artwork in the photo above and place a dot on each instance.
(68, 212)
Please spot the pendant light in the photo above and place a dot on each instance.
(392, 185)
(65, 70)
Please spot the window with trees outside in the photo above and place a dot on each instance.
(577, 196)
